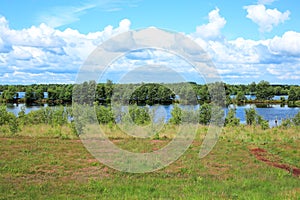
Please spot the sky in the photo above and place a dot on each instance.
(247, 40)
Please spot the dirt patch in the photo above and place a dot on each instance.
(268, 158)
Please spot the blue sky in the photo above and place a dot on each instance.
(48, 41)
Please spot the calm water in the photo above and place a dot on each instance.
(270, 113)
(253, 97)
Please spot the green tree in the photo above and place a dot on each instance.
(240, 97)
(294, 94)
(139, 115)
(231, 119)
(39, 94)
(176, 114)
(8, 119)
(252, 87)
(250, 116)
(29, 95)
(10, 94)
(104, 115)
(264, 91)
(205, 114)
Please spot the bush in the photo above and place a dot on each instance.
(231, 119)
(139, 115)
(176, 115)
(8, 119)
(104, 115)
(205, 114)
(252, 118)
(296, 119)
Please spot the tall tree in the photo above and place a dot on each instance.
(264, 91)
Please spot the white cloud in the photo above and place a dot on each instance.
(45, 54)
(265, 2)
(244, 60)
(288, 44)
(212, 30)
(45, 50)
(265, 18)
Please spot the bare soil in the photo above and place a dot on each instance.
(268, 158)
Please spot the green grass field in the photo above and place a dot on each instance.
(42, 163)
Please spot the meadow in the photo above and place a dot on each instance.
(50, 162)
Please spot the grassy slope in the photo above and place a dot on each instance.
(46, 167)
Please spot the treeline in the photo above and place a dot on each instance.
(150, 93)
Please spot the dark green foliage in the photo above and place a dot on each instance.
(150, 93)
(264, 91)
(240, 97)
(205, 114)
(9, 94)
(29, 95)
(294, 94)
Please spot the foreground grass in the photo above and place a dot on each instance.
(52, 165)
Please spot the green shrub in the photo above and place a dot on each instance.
(176, 115)
(231, 119)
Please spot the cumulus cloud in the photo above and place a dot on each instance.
(243, 59)
(212, 30)
(288, 44)
(265, 18)
(47, 52)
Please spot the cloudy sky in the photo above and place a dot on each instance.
(247, 40)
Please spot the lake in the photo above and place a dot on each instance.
(270, 113)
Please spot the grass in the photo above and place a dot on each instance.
(40, 163)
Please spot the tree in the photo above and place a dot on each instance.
(240, 97)
(264, 91)
(250, 116)
(231, 119)
(205, 114)
(39, 94)
(252, 87)
(176, 115)
(29, 95)
(139, 115)
(217, 93)
(8, 118)
(293, 94)
(109, 90)
(10, 94)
